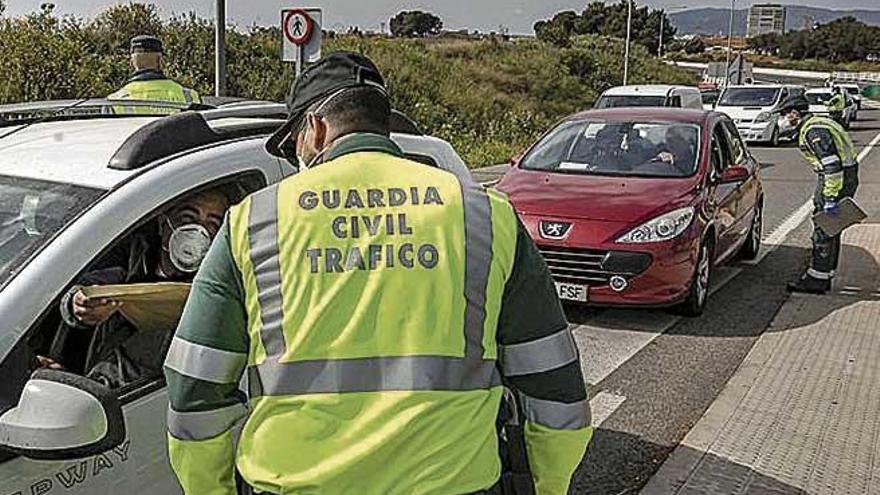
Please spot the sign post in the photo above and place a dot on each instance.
(300, 36)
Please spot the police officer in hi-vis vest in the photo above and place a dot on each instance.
(376, 305)
(828, 147)
(148, 82)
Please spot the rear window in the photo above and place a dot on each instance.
(609, 101)
(32, 213)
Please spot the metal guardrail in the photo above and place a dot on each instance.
(856, 77)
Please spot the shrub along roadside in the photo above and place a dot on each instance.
(489, 98)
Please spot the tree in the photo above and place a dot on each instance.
(607, 20)
(694, 46)
(415, 24)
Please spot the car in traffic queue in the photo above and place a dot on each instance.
(650, 95)
(756, 111)
(77, 180)
(635, 207)
(818, 99)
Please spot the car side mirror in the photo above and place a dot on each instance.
(61, 415)
(734, 174)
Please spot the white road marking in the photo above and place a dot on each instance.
(603, 405)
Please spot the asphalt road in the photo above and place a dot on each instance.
(652, 375)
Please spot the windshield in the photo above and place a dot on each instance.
(818, 98)
(634, 149)
(749, 97)
(852, 90)
(31, 213)
(630, 101)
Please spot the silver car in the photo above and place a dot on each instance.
(75, 180)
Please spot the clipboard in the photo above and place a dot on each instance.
(848, 214)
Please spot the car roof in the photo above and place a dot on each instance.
(687, 115)
(644, 90)
(71, 152)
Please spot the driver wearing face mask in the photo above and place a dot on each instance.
(118, 353)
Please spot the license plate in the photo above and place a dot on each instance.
(572, 292)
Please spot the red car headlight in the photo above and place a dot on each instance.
(663, 228)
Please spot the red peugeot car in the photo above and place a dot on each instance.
(635, 206)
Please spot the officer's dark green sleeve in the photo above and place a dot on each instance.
(539, 360)
(203, 368)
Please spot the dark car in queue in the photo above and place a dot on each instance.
(635, 207)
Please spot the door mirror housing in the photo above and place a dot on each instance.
(735, 174)
(61, 415)
(515, 159)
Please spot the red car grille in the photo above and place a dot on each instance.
(576, 266)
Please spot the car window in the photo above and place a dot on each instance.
(721, 150)
(32, 212)
(738, 149)
(675, 101)
(617, 101)
(749, 97)
(117, 353)
(619, 148)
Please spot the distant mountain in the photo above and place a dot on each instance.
(715, 21)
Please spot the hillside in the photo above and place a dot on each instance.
(715, 21)
(489, 98)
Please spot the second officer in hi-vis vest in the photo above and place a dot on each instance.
(828, 147)
(376, 305)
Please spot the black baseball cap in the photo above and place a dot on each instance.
(145, 44)
(329, 76)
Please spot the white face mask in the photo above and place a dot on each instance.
(188, 246)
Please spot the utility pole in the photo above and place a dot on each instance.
(220, 49)
(729, 44)
(660, 43)
(629, 17)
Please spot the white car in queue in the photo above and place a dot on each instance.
(818, 99)
(756, 110)
(75, 181)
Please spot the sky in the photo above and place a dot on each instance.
(486, 15)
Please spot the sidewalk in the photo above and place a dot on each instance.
(802, 413)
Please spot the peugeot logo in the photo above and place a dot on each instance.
(554, 230)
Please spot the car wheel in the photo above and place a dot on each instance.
(699, 291)
(752, 246)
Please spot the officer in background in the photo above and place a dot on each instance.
(837, 104)
(148, 82)
(376, 305)
(829, 148)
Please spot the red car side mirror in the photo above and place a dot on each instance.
(735, 174)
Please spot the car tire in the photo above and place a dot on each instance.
(698, 293)
(752, 246)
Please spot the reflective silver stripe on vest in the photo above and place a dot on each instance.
(409, 373)
(372, 374)
(478, 262)
(205, 363)
(557, 415)
(537, 356)
(263, 240)
(204, 425)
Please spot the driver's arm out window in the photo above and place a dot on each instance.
(77, 349)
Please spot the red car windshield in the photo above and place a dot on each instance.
(634, 149)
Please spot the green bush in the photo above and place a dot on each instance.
(489, 98)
